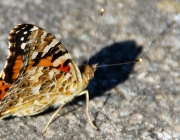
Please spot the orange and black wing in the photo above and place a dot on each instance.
(32, 46)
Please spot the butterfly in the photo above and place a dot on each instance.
(40, 73)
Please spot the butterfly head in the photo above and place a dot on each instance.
(88, 71)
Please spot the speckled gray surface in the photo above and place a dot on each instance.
(139, 101)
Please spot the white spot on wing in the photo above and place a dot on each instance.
(60, 59)
(9, 47)
(52, 73)
(38, 70)
(34, 28)
(31, 78)
(34, 55)
(25, 32)
(17, 31)
(9, 37)
(12, 31)
(35, 90)
(33, 70)
(23, 45)
(51, 45)
(44, 34)
(22, 38)
(34, 48)
(5, 64)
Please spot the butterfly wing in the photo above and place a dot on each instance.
(36, 90)
(32, 46)
(13, 63)
(40, 49)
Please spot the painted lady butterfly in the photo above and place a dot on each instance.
(40, 73)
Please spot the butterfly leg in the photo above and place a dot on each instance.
(87, 107)
(53, 115)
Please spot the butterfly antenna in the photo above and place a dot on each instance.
(92, 46)
(109, 65)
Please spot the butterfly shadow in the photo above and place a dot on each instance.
(108, 77)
